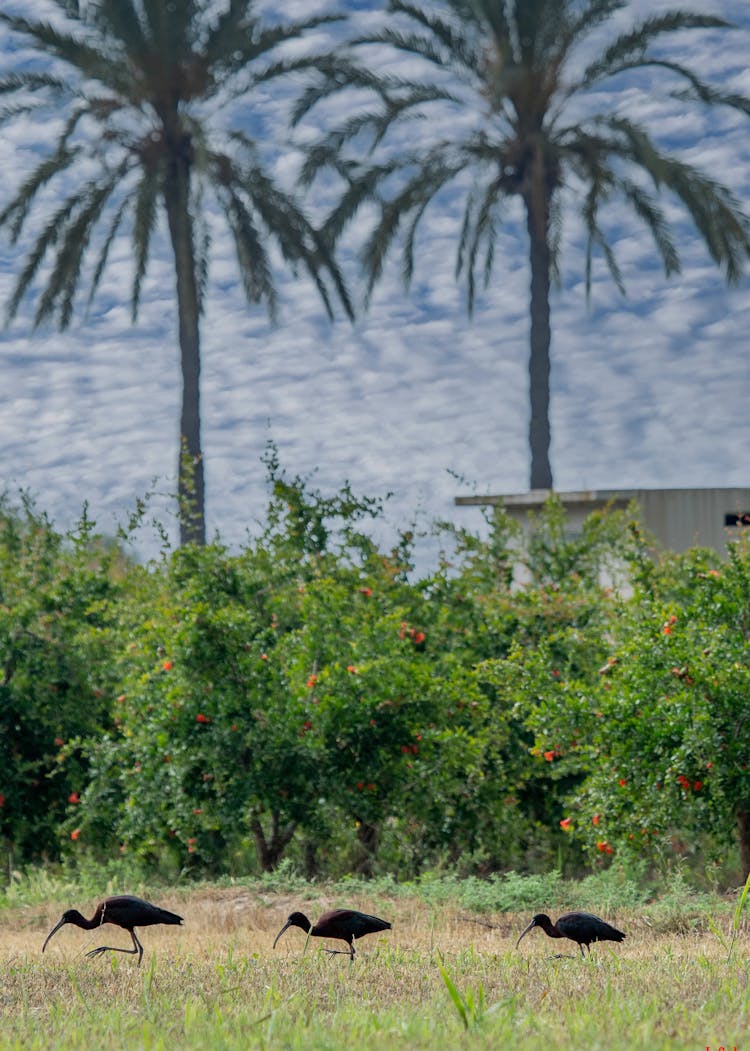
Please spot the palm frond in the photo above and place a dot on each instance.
(144, 220)
(647, 209)
(119, 20)
(631, 48)
(30, 81)
(225, 55)
(483, 230)
(363, 184)
(595, 237)
(107, 244)
(252, 257)
(454, 39)
(63, 279)
(335, 75)
(702, 92)
(85, 58)
(430, 49)
(431, 176)
(293, 233)
(16, 211)
(35, 258)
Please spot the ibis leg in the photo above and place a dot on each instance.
(137, 948)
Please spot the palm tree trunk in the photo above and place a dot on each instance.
(537, 224)
(191, 488)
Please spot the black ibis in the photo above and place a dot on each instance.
(345, 924)
(580, 927)
(124, 911)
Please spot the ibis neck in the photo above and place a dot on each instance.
(550, 929)
(86, 925)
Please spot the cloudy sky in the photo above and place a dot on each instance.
(413, 399)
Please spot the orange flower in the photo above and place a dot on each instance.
(75, 834)
(311, 681)
(366, 592)
(604, 848)
(595, 819)
(566, 823)
(168, 665)
(549, 756)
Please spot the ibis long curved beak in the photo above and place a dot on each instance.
(529, 928)
(54, 930)
(286, 925)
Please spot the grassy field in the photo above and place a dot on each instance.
(216, 983)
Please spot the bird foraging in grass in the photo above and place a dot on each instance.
(123, 911)
(580, 927)
(344, 924)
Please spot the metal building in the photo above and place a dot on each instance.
(677, 518)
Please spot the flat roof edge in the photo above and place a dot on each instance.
(536, 497)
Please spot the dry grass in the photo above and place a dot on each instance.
(216, 983)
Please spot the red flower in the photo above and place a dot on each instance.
(360, 786)
(604, 848)
(2, 800)
(623, 782)
(549, 756)
(351, 668)
(201, 718)
(75, 834)
(311, 681)
(666, 630)
(121, 698)
(405, 748)
(59, 742)
(168, 665)
(595, 819)
(566, 823)
(74, 798)
(366, 592)
(418, 637)
(264, 656)
(697, 785)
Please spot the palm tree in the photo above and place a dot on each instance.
(515, 73)
(150, 88)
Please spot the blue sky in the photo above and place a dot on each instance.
(650, 390)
